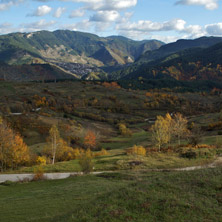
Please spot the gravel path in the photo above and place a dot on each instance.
(56, 176)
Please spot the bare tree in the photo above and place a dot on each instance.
(179, 126)
(54, 137)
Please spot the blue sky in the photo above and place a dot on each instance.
(166, 20)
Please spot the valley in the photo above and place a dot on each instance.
(128, 119)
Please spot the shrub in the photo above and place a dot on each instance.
(85, 162)
(41, 160)
(124, 131)
(197, 152)
(103, 152)
(189, 153)
(137, 150)
(38, 174)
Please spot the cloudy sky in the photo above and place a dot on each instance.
(166, 20)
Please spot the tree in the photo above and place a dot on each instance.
(169, 122)
(90, 139)
(195, 135)
(179, 126)
(13, 151)
(160, 132)
(54, 138)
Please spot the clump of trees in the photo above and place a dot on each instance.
(13, 151)
(57, 149)
(167, 128)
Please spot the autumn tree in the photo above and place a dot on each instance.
(13, 151)
(169, 123)
(160, 132)
(179, 126)
(90, 139)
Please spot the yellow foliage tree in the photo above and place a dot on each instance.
(179, 124)
(13, 151)
(160, 131)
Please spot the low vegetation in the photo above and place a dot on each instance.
(127, 196)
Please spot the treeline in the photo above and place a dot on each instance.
(169, 83)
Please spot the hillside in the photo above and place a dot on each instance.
(71, 47)
(189, 64)
(179, 45)
(34, 72)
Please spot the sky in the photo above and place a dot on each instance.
(165, 20)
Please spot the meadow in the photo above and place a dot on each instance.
(127, 196)
(131, 187)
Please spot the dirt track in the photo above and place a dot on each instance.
(56, 176)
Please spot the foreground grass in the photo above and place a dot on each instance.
(129, 196)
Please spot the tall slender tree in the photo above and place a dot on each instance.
(54, 138)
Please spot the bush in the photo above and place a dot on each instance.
(193, 153)
(38, 174)
(124, 131)
(85, 162)
(41, 160)
(103, 152)
(189, 153)
(137, 150)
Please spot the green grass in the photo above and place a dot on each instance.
(121, 142)
(129, 196)
(118, 160)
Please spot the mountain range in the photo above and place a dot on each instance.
(64, 54)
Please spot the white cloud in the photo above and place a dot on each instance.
(149, 26)
(77, 13)
(208, 4)
(39, 25)
(84, 25)
(59, 11)
(143, 29)
(214, 29)
(107, 4)
(194, 31)
(105, 16)
(41, 11)
(5, 4)
(6, 28)
(166, 39)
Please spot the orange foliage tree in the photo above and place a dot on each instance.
(90, 139)
(13, 151)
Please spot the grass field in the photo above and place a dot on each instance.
(128, 196)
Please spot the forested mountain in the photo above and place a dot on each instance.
(68, 54)
(72, 47)
(177, 46)
(189, 64)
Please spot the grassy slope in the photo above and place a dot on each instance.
(130, 196)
